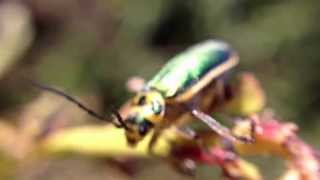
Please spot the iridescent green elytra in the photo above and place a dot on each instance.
(190, 67)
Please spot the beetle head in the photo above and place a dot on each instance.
(146, 112)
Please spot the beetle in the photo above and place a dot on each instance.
(190, 86)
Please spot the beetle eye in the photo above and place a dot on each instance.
(142, 100)
(144, 127)
(143, 130)
(131, 119)
(157, 108)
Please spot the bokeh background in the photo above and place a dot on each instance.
(90, 49)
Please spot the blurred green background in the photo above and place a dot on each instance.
(92, 47)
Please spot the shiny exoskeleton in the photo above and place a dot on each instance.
(190, 86)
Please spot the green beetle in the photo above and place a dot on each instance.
(189, 86)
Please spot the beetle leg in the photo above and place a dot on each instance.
(154, 140)
(219, 128)
(187, 132)
(220, 88)
(185, 166)
(252, 124)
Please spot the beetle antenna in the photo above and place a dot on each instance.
(80, 105)
(120, 119)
